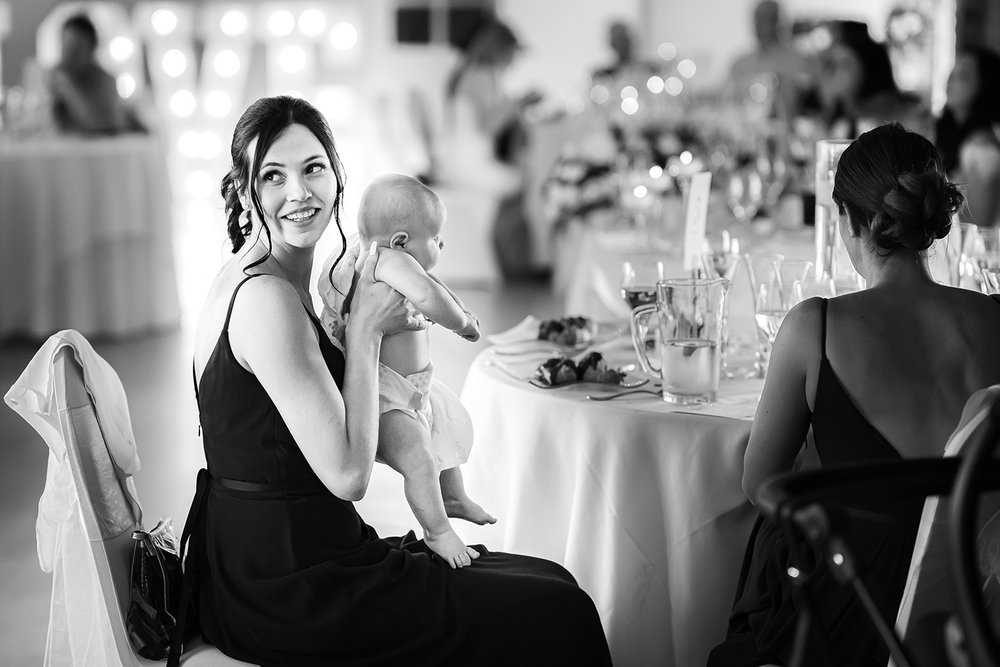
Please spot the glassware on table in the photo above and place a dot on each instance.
(991, 280)
(962, 269)
(638, 281)
(745, 188)
(690, 313)
(828, 242)
(983, 252)
(721, 256)
(774, 296)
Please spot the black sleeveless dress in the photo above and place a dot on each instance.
(286, 573)
(763, 620)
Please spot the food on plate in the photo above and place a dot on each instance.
(570, 330)
(592, 367)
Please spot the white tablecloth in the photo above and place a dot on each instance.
(86, 237)
(641, 501)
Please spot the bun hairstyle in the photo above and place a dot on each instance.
(890, 180)
(265, 120)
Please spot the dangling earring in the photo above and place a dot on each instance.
(244, 219)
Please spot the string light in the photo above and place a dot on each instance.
(686, 68)
(125, 84)
(292, 59)
(121, 48)
(174, 63)
(667, 51)
(183, 103)
(226, 63)
(218, 104)
(281, 23)
(312, 22)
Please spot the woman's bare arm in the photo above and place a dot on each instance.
(783, 414)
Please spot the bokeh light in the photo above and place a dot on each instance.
(686, 68)
(209, 145)
(640, 191)
(667, 51)
(599, 94)
(630, 106)
(312, 22)
(281, 23)
(343, 36)
(125, 84)
(673, 85)
(218, 104)
(174, 63)
(629, 91)
(121, 48)
(164, 21)
(292, 59)
(233, 23)
(655, 84)
(183, 103)
(226, 63)
(189, 143)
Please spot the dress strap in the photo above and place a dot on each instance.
(823, 339)
(232, 300)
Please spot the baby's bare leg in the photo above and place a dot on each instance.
(457, 503)
(403, 443)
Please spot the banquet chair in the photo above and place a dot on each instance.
(109, 511)
(813, 504)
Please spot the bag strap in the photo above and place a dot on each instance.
(187, 585)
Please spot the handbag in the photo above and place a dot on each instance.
(155, 585)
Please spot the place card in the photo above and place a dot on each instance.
(694, 222)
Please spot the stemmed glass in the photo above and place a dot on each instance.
(983, 252)
(745, 188)
(784, 285)
(638, 281)
(721, 255)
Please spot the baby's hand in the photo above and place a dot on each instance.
(471, 330)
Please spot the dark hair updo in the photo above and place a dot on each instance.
(891, 181)
(265, 120)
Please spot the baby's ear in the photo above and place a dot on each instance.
(398, 240)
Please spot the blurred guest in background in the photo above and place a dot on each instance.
(965, 133)
(859, 90)
(878, 375)
(775, 62)
(483, 137)
(625, 64)
(85, 97)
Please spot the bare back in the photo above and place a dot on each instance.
(909, 360)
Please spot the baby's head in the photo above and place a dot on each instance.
(400, 212)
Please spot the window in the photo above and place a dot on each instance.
(440, 21)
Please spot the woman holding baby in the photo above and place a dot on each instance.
(285, 570)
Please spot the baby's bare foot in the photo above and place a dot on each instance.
(464, 508)
(451, 548)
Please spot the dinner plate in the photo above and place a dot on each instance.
(523, 337)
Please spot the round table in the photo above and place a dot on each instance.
(640, 500)
(86, 237)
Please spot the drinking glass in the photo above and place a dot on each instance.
(828, 241)
(721, 256)
(745, 189)
(991, 280)
(638, 281)
(983, 251)
(780, 289)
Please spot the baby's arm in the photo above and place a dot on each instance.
(426, 294)
(470, 332)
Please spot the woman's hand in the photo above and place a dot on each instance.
(379, 307)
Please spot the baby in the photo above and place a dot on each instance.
(424, 431)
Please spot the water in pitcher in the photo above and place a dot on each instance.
(690, 370)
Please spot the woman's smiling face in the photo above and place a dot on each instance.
(297, 187)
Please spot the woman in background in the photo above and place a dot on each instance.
(85, 98)
(878, 375)
(965, 134)
(483, 137)
(858, 90)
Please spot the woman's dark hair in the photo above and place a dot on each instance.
(985, 109)
(83, 25)
(891, 181)
(265, 120)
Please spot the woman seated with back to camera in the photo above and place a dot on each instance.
(879, 375)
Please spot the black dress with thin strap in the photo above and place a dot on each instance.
(763, 620)
(286, 573)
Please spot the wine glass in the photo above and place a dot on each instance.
(991, 280)
(983, 251)
(774, 296)
(638, 281)
(721, 255)
(745, 189)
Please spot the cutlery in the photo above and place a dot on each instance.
(608, 397)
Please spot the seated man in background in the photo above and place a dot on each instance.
(774, 62)
(85, 97)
